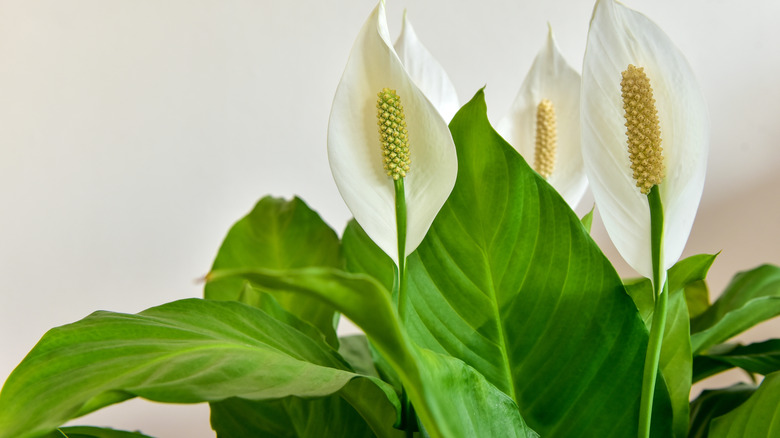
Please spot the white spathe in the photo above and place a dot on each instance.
(354, 150)
(426, 72)
(552, 78)
(620, 36)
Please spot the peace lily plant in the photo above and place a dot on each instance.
(488, 311)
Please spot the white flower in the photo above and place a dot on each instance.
(552, 79)
(355, 152)
(426, 72)
(619, 37)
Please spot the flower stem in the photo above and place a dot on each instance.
(400, 220)
(661, 293)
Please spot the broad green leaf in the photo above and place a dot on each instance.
(509, 281)
(676, 357)
(376, 407)
(758, 417)
(450, 398)
(187, 351)
(751, 297)
(92, 432)
(257, 297)
(759, 358)
(280, 234)
(294, 417)
(714, 403)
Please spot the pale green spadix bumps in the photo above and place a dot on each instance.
(393, 134)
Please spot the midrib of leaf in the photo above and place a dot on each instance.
(454, 310)
(489, 270)
(497, 315)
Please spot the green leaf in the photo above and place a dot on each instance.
(359, 357)
(676, 361)
(714, 403)
(450, 398)
(509, 281)
(280, 234)
(751, 297)
(758, 417)
(759, 358)
(294, 417)
(697, 296)
(187, 351)
(587, 220)
(704, 367)
(257, 297)
(641, 292)
(357, 352)
(92, 432)
(687, 274)
(364, 256)
(288, 418)
(676, 356)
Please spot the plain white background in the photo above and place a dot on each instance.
(133, 133)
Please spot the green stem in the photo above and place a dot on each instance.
(661, 293)
(400, 220)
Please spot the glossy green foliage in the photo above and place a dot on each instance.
(450, 397)
(713, 403)
(509, 281)
(751, 297)
(587, 220)
(92, 432)
(294, 417)
(759, 358)
(758, 417)
(279, 234)
(187, 351)
(676, 356)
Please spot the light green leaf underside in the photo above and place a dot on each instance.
(751, 297)
(280, 234)
(758, 417)
(451, 398)
(509, 281)
(187, 351)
